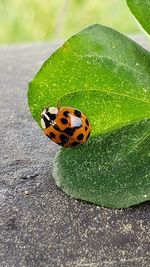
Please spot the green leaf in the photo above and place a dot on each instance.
(115, 171)
(141, 10)
(106, 76)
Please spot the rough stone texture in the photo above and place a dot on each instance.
(40, 225)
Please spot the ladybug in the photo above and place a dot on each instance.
(66, 126)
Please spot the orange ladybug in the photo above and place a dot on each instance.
(65, 126)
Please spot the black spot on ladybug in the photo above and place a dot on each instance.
(69, 131)
(66, 113)
(86, 128)
(87, 122)
(80, 136)
(77, 113)
(52, 135)
(64, 139)
(88, 136)
(74, 144)
(55, 126)
(64, 121)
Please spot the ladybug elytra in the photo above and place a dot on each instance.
(66, 126)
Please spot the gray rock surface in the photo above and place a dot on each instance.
(40, 225)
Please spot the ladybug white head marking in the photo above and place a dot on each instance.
(48, 116)
(53, 110)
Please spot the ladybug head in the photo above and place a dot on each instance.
(48, 116)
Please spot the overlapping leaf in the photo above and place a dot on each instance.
(141, 10)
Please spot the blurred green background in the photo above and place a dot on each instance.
(38, 20)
